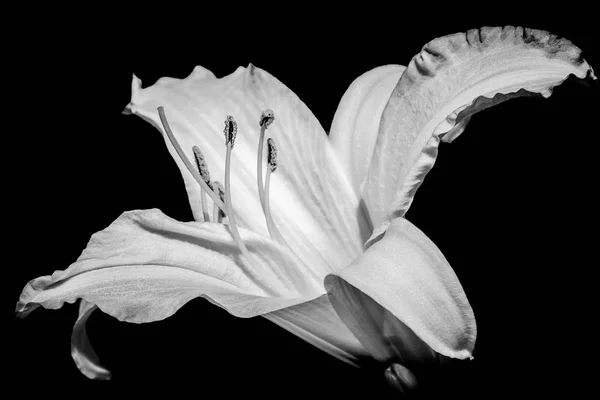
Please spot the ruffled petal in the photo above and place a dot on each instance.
(356, 122)
(145, 266)
(312, 202)
(451, 79)
(402, 300)
(317, 323)
(82, 351)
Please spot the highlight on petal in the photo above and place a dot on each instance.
(145, 266)
(317, 323)
(82, 351)
(451, 79)
(402, 300)
(312, 202)
(356, 122)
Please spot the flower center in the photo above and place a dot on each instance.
(221, 196)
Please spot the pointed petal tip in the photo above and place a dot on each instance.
(24, 309)
(88, 369)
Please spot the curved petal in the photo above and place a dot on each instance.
(311, 200)
(356, 122)
(402, 299)
(451, 79)
(82, 351)
(145, 266)
(317, 323)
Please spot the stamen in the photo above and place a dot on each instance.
(203, 169)
(202, 166)
(186, 161)
(230, 131)
(218, 214)
(230, 134)
(273, 231)
(272, 160)
(272, 156)
(266, 118)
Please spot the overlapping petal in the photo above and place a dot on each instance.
(145, 266)
(317, 323)
(356, 122)
(402, 299)
(312, 202)
(451, 79)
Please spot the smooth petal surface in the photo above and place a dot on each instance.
(401, 299)
(312, 202)
(451, 79)
(82, 351)
(145, 266)
(317, 323)
(356, 122)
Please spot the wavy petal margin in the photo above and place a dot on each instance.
(452, 78)
(145, 266)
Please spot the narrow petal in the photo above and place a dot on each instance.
(356, 123)
(402, 300)
(317, 323)
(81, 350)
(311, 199)
(145, 266)
(451, 79)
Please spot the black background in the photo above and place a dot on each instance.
(508, 203)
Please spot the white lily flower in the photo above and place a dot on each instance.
(319, 245)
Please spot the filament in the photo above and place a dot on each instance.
(218, 214)
(232, 223)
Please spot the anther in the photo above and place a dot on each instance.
(202, 166)
(272, 155)
(203, 169)
(266, 118)
(230, 131)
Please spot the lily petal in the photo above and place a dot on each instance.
(312, 202)
(145, 266)
(82, 351)
(317, 323)
(356, 122)
(451, 79)
(401, 299)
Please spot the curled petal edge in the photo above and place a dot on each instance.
(452, 78)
